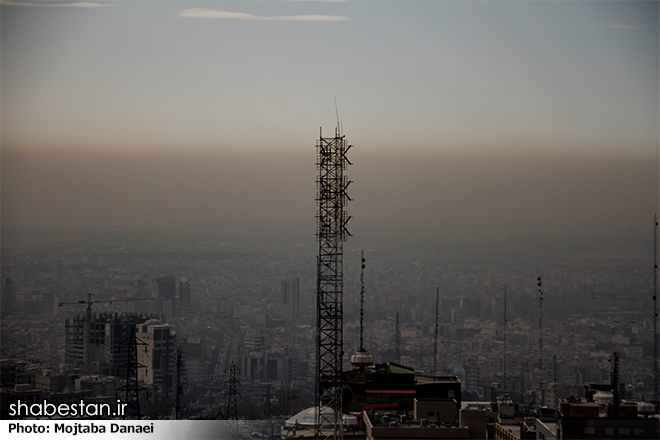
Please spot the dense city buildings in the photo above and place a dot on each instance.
(597, 302)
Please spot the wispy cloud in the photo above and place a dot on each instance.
(323, 1)
(72, 5)
(626, 27)
(211, 13)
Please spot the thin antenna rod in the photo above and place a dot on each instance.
(362, 304)
(540, 396)
(505, 324)
(437, 311)
(397, 337)
(555, 398)
(655, 303)
(337, 112)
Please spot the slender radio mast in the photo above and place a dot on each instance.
(555, 398)
(655, 304)
(437, 312)
(540, 396)
(362, 300)
(397, 341)
(362, 358)
(504, 357)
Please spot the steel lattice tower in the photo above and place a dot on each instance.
(132, 388)
(232, 403)
(331, 232)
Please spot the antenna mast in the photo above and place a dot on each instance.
(362, 358)
(338, 131)
(540, 396)
(362, 301)
(655, 304)
(505, 324)
(397, 342)
(437, 312)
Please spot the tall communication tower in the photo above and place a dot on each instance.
(331, 232)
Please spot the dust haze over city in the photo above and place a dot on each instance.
(153, 144)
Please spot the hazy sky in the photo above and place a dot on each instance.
(468, 118)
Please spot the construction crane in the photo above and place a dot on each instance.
(88, 319)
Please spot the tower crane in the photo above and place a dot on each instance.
(88, 319)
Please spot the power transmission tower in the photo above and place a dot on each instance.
(232, 403)
(331, 232)
(132, 388)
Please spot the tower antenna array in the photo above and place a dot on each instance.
(331, 232)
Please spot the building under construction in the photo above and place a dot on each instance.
(106, 333)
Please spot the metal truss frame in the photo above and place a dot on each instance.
(331, 232)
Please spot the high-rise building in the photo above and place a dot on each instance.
(166, 295)
(158, 355)
(166, 288)
(8, 297)
(291, 299)
(184, 295)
